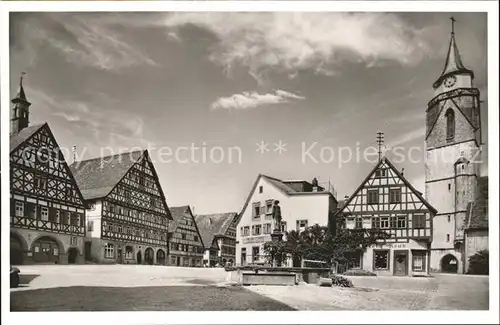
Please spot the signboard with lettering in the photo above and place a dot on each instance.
(256, 240)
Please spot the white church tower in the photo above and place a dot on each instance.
(453, 138)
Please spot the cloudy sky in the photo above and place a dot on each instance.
(317, 81)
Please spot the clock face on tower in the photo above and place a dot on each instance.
(450, 81)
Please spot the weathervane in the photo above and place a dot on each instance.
(453, 20)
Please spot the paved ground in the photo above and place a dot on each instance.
(133, 287)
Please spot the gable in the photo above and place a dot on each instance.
(183, 219)
(140, 187)
(379, 182)
(38, 167)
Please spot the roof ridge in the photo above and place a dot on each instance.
(103, 157)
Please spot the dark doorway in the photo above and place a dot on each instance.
(149, 256)
(88, 250)
(119, 258)
(139, 257)
(45, 250)
(178, 261)
(160, 257)
(449, 264)
(16, 250)
(400, 262)
(72, 255)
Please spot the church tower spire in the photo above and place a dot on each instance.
(453, 64)
(20, 109)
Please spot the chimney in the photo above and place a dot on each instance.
(314, 184)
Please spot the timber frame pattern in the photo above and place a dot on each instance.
(136, 209)
(388, 202)
(44, 194)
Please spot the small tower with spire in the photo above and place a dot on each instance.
(20, 109)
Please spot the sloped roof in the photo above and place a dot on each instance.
(211, 225)
(453, 62)
(477, 211)
(19, 138)
(401, 176)
(97, 177)
(177, 215)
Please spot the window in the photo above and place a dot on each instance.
(246, 231)
(449, 186)
(380, 173)
(447, 238)
(418, 221)
(269, 207)
(19, 209)
(183, 236)
(40, 183)
(384, 222)
(381, 260)
(358, 223)
(258, 229)
(418, 261)
(256, 210)
(109, 250)
(375, 222)
(45, 214)
(401, 222)
(74, 240)
(283, 226)
(301, 225)
(372, 196)
(91, 206)
(261, 189)
(449, 218)
(267, 228)
(450, 124)
(195, 238)
(69, 192)
(395, 195)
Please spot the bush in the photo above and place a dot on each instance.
(341, 281)
(359, 273)
(479, 263)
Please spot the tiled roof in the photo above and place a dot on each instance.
(477, 211)
(19, 138)
(210, 225)
(177, 215)
(97, 177)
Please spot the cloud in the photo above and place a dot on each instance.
(84, 39)
(321, 42)
(407, 137)
(248, 100)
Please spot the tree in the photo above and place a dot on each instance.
(479, 263)
(318, 243)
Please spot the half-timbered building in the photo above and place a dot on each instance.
(186, 245)
(386, 201)
(47, 215)
(219, 237)
(128, 216)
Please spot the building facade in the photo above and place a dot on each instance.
(386, 201)
(453, 140)
(219, 236)
(47, 214)
(302, 205)
(128, 216)
(186, 245)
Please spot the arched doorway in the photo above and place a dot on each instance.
(72, 255)
(45, 250)
(160, 257)
(16, 250)
(149, 256)
(139, 257)
(449, 264)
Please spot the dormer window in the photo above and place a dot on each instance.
(450, 124)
